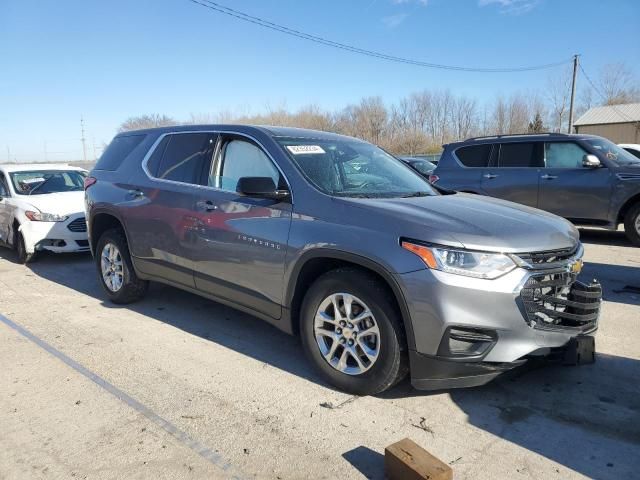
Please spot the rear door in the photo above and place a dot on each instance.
(159, 212)
(241, 243)
(513, 172)
(570, 190)
(463, 172)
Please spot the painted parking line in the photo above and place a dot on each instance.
(202, 450)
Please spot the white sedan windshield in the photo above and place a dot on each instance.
(39, 182)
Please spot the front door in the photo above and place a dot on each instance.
(570, 190)
(241, 244)
(513, 172)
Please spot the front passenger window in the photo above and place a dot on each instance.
(243, 159)
(563, 155)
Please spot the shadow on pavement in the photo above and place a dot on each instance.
(604, 237)
(586, 418)
(368, 462)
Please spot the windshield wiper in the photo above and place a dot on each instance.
(416, 194)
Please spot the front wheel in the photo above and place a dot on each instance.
(632, 224)
(352, 333)
(21, 249)
(117, 276)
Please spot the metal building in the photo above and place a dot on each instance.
(618, 123)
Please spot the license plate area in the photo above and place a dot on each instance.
(580, 350)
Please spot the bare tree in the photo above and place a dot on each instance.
(464, 117)
(618, 84)
(558, 94)
(146, 121)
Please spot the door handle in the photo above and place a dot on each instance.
(490, 176)
(548, 177)
(136, 193)
(206, 206)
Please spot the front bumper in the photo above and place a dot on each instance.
(58, 237)
(508, 318)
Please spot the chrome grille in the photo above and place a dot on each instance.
(78, 225)
(549, 257)
(557, 300)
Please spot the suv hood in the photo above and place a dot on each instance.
(63, 203)
(472, 221)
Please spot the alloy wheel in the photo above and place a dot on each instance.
(112, 267)
(347, 333)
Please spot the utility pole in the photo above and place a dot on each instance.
(8, 155)
(573, 92)
(82, 139)
(45, 152)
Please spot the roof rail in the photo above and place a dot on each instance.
(516, 135)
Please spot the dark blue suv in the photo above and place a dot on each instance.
(584, 178)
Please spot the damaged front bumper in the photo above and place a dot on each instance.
(469, 331)
(58, 237)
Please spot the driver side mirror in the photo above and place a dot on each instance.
(591, 161)
(261, 187)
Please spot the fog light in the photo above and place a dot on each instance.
(466, 342)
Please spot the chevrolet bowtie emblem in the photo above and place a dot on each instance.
(576, 267)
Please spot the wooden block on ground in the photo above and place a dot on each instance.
(405, 460)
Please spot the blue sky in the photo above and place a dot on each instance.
(108, 60)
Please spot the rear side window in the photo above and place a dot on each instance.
(525, 154)
(153, 164)
(185, 156)
(117, 151)
(474, 156)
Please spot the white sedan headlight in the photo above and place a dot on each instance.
(485, 265)
(44, 217)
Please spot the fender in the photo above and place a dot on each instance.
(359, 260)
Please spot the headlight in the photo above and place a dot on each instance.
(462, 262)
(44, 217)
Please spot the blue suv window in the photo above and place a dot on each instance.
(521, 154)
(563, 155)
(475, 155)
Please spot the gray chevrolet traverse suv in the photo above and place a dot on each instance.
(584, 178)
(331, 238)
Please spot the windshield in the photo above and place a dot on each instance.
(354, 169)
(40, 182)
(613, 152)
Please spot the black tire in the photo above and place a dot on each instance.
(631, 219)
(132, 288)
(21, 251)
(391, 365)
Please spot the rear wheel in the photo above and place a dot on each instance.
(21, 250)
(352, 333)
(117, 276)
(632, 224)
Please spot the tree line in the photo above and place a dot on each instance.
(423, 121)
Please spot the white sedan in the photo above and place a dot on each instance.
(42, 208)
(632, 148)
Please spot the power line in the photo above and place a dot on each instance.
(603, 96)
(330, 43)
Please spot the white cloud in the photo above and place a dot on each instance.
(511, 7)
(392, 21)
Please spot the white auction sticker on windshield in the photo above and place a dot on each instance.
(305, 149)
